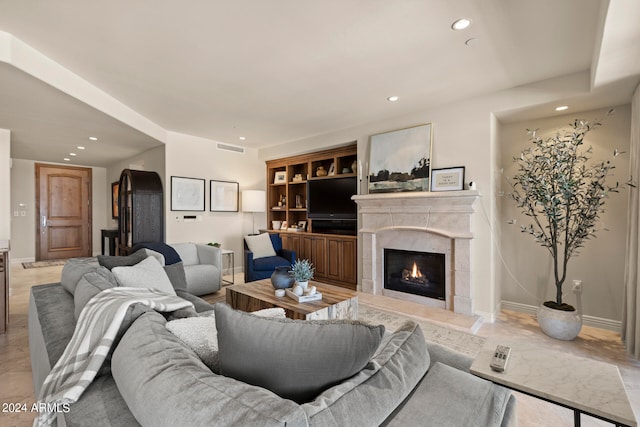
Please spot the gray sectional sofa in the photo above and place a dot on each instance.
(156, 380)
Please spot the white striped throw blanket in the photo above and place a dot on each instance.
(96, 329)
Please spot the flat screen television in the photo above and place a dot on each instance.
(330, 198)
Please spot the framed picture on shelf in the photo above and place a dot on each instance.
(223, 196)
(400, 160)
(114, 199)
(302, 225)
(284, 225)
(280, 177)
(187, 194)
(447, 179)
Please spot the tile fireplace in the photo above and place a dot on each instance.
(423, 223)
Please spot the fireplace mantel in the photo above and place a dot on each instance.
(423, 221)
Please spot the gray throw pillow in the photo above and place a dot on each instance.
(296, 359)
(73, 271)
(90, 285)
(122, 261)
(200, 334)
(145, 274)
(176, 275)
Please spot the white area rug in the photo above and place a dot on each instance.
(462, 342)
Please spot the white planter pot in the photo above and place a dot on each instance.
(558, 324)
(303, 284)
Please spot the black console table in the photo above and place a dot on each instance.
(112, 235)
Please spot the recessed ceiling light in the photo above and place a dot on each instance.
(393, 98)
(66, 159)
(562, 108)
(93, 138)
(242, 138)
(80, 147)
(471, 42)
(72, 154)
(461, 24)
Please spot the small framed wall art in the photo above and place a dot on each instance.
(223, 196)
(447, 179)
(114, 199)
(187, 194)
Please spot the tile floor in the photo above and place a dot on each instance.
(15, 368)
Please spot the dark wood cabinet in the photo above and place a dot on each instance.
(342, 263)
(334, 257)
(315, 249)
(141, 209)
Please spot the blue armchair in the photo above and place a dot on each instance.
(262, 268)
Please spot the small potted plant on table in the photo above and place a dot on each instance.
(302, 270)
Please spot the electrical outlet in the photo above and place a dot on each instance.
(577, 286)
(16, 213)
(511, 221)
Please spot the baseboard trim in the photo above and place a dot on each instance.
(486, 316)
(21, 260)
(593, 321)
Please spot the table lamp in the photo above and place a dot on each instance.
(254, 201)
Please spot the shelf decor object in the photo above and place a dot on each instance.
(187, 194)
(223, 196)
(253, 201)
(280, 177)
(447, 179)
(400, 160)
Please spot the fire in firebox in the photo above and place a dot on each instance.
(413, 272)
(414, 275)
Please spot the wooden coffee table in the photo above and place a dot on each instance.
(336, 303)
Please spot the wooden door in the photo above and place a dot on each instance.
(63, 203)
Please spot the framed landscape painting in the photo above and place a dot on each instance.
(400, 160)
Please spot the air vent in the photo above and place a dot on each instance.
(234, 148)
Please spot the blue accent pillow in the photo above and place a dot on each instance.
(170, 254)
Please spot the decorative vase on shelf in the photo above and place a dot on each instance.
(321, 171)
(282, 278)
(354, 166)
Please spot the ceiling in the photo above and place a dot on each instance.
(279, 71)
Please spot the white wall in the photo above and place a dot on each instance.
(23, 192)
(5, 184)
(194, 157)
(464, 134)
(600, 264)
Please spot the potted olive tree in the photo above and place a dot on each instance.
(563, 194)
